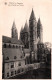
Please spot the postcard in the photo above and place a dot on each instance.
(26, 41)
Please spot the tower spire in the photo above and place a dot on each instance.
(39, 31)
(39, 21)
(33, 35)
(14, 31)
(14, 26)
(32, 16)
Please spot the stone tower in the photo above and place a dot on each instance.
(14, 31)
(39, 32)
(24, 35)
(33, 35)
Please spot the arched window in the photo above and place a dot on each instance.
(9, 46)
(16, 46)
(4, 46)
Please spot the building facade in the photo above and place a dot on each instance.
(13, 56)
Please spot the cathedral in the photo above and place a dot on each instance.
(32, 35)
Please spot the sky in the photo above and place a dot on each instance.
(19, 14)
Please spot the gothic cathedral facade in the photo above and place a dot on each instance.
(34, 35)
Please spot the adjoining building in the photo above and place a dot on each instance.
(13, 55)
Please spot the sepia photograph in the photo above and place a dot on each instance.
(26, 39)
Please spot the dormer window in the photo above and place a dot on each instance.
(9, 46)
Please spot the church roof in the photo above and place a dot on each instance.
(6, 39)
(32, 16)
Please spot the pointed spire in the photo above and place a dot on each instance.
(32, 16)
(39, 22)
(26, 27)
(14, 31)
(14, 26)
